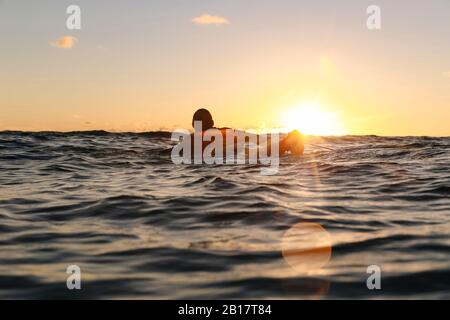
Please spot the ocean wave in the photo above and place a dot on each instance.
(140, 226)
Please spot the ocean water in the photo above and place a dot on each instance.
(140, 227)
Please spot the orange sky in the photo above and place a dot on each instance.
(147, 66)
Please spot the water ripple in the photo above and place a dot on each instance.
(141, 227)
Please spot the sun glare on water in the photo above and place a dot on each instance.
(311, 118)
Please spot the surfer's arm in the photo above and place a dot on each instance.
(283, 147)
(293, 143)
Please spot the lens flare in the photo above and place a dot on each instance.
(306, 247)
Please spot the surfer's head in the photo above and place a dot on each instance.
(204, 117)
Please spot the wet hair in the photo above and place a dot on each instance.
(205, 117)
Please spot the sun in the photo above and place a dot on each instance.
(311, 118)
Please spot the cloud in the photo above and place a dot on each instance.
(446, 74)
(65, 42)
(206, 19)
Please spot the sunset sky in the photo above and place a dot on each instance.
(147, 65)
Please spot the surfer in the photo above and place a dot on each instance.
(292, 143)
